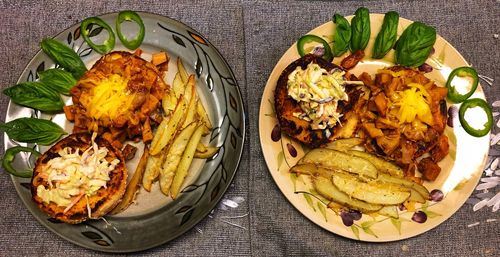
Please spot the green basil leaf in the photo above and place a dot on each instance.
(415, 44)
(58, 80)
(386, 38)
(360, 29)
(35, 95)
(64, 56)
(342, 35)
(32, 130)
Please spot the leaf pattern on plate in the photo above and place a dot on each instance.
(397, 224)
(355, 230)
(309, 201)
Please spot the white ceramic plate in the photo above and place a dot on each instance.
(461, 169)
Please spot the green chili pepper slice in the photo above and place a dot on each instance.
(9, 156)
(471, 103)
(312, 38)
(130, 16)
(107, 45)
(453, 94)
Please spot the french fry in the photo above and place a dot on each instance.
(177, 85)
(190, 88)
(134, 184)
(173, 158)
(169, 102)
(193, 100)
(167, 132)
(182, 70)
(185, 162)
(153, 165)
(201, 148)
(203, 115)
(211, 151)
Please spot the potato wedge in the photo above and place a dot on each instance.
(344, 144)
(381, 164)
(209, 153)
(173, 158)
(405, 182)
(152, 170)
(415, 196)
(389, 211)
(325, 188)
(333, 159)
(371, 192)
(185, 162)
(181, 70)
(306, 169)
(134, 184)
(162, 137)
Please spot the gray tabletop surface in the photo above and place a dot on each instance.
(252, 36)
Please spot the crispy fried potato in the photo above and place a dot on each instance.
(173, 158)
(415, 196)
(405, 182)
(339, 160)
(211, 151)
(193, 101)
(133, 186)
(185, 162)
(306, 169)
(167, 131)
(203, 115)
(169, 102)
(152, 170)
(381, 164)
(201, 148)
(344, 144)
(371, 192)
(178, 86)
(389, 211)
(325, 188)
(190, 88)
(181, 70)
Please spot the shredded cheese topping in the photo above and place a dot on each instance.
(110, 98)
(413, 103)
(73, 175)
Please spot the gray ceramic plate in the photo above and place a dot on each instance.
(154, 219)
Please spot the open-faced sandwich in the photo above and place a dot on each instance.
(80, 177)
(313, 98)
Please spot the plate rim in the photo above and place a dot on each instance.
(197, 219)
(475, 177)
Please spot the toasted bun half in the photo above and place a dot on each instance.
(103, 201)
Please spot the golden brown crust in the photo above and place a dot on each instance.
(285, 106)
(102, 202)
